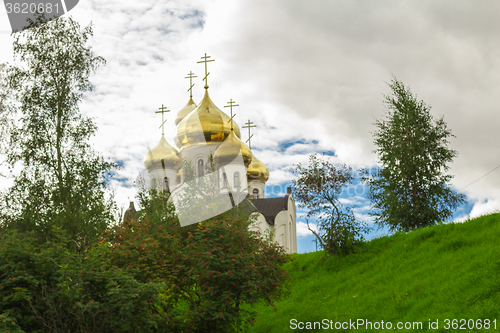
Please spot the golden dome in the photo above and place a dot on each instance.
(257, 171)
(162, 156)
(190, 106)
(230, 149)
(205, 124)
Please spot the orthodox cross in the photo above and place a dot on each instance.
(231, 104)
(205, 60)
(163, 109)
(249, 125)
(191, 84)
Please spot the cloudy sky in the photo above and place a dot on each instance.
(310, 74)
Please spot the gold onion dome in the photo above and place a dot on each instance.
(229, 150)
(162, 156)
(257, 171)
(205, 124)
(190, 106)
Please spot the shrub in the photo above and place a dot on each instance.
(208, 270)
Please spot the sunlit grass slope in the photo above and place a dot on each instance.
(442, 272)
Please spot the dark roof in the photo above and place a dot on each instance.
(270, 207)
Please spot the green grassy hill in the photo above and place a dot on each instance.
(442, 272)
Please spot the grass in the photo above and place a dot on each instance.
(449, 271)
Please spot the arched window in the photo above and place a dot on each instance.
(153, 184)
(166, 187)
(201, 168)
(237, 180)
(255, 193)
(224, 180)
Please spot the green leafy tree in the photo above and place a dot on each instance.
(5, 116)
(47, 288)
(317, 188)
(213, 272)
(411, 190)
(62, 181)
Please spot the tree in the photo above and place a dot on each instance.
(62, 181)
(5, 115)
(213, 272)
(317, 188)
(411, 190)
(47, 288)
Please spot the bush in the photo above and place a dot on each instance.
(208, 270)
(49, 289)
(146, 275)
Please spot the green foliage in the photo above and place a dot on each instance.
(209, 270)
(62, 181)
(411, 190)
(448, 271)
(5, 115)
(9, 325)
(49, 289)
(146, 275)
(317, 188)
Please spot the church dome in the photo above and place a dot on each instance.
(190, 106)
(162, 156)
(257, 171)
(230, 149)
(129, 213)
(205, 124)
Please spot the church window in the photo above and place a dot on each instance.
(225, 182)
(237, 180)
(200, 168)
(255, 193)
(153, 184)
(165, 184)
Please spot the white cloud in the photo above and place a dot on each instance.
(481, 208)
(302, 230)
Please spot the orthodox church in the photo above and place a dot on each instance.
(207, 136)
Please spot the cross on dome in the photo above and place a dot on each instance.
(249, 125)
(163, 109)
(191, 84)
(205, 60)
(231, 104)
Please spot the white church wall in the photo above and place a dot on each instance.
(280, 235)
(260, 224)
(157, 178)
(196, 153)
(285, 227)
(292, 223)
(230, 170)
(255, 184)
(280, 225)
